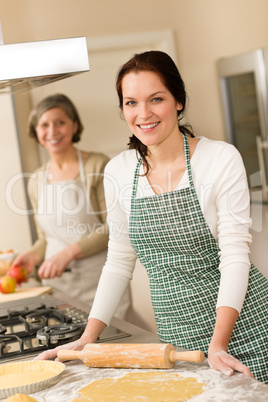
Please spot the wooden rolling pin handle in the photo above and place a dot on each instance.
(195, 356)
(69, 354)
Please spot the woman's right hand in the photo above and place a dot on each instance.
(52, 353)
(91, 333)
(28, 260)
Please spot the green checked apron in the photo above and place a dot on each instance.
(174, 243)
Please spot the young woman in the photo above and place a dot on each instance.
(181, 205)
(67, 197)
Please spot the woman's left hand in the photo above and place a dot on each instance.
(220, 360)
(54, 266)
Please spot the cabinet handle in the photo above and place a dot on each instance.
(261, 145)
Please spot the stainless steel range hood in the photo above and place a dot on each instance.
(31, 64)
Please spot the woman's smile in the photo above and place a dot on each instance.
(149, 108)
(54, 140)
(55, 130)
(148, 127)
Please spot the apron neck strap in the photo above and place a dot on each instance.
(80, 163)
(187, 159)
(81, 166)
(187, 163)
(136, 176)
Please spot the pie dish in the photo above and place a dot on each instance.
(29, 376)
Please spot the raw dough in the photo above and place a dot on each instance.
(144, 386)
(13, 375)
(18, 379)
(20, 398)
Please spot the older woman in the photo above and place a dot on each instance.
(67, 196)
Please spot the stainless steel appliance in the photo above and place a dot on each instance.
(32, 325)
(31, 64)
(244, 91)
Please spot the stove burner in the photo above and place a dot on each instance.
(16, 313)
(55, 333)
(39, 318)
(5, 339)
(44, 321)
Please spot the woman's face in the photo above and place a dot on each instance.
(55, 130)
(149, 108)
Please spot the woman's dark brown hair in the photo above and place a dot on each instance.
(163, 65)
(51, 102)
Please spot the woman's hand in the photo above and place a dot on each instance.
(220, 360)
(28, 260)
(54, 266)
(218, 357)
(92, 331)
(52, 353)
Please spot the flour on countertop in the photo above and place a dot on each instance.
(220, 388)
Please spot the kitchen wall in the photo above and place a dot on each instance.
(204, 31)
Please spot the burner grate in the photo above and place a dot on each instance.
(30, 326)
(6, 341)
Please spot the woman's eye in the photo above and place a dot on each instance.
(130, 103)
(157, 99)
(44, 125)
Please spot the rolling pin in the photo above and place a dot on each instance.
(130, 355)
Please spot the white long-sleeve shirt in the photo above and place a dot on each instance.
(220, 181)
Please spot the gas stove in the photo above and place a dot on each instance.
(29, 326)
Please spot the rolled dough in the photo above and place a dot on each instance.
(19, 379)
(26, 373)
(149, 386)
(20, 398)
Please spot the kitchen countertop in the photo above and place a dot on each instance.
(218, 386)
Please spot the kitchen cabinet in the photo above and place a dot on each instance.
(219, 387)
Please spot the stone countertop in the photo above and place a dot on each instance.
(218, 386)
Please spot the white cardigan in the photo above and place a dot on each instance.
(220, 180)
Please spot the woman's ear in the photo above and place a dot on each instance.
(75, 127)
(179, 106)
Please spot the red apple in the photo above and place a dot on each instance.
(18, 272)
(7, 284)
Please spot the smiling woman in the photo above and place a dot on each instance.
(147, 110)
(152, 112)
(68, 200)
(55, 130)
(187, 219)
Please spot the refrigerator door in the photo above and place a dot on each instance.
(262, 144)
(245, 107)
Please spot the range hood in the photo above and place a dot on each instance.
(27, 65)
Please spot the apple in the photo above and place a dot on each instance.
(18, 272)
(7, 284)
